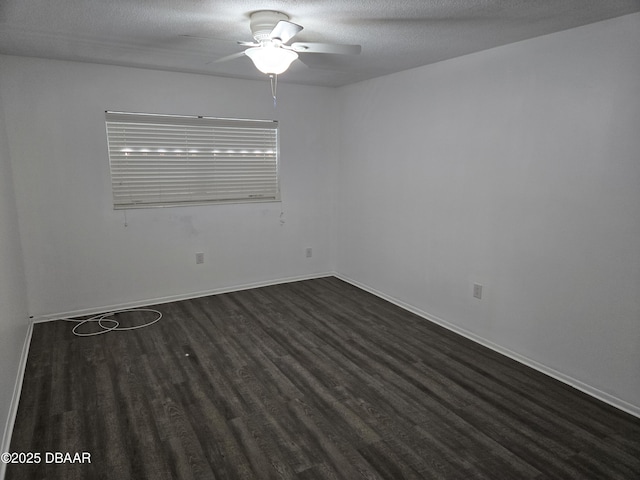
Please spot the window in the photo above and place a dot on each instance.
(167, 160)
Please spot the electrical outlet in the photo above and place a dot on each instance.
(199, 258)
(309, 252)
(477, 291)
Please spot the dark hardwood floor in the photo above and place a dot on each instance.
(308, 380)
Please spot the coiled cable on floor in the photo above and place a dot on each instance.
(110, 324)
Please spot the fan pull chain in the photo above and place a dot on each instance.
(274, 86)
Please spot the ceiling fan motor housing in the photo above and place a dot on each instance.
(262, 23)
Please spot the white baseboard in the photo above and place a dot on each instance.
(15, 399)
(577, 384)
(173, 298)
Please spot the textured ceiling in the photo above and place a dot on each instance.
(395, 35)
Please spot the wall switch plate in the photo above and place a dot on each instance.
(199, 258)
(477, 290)
(308, 252)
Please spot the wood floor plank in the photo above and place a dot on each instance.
(307, 380)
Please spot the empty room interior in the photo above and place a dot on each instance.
(442, 279)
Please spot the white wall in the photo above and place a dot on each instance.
(517, 168)
(13, 294)
(79, 255)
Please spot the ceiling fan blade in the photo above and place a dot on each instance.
(285, 31)
(239, 42)
(229, 57)
(311, 47)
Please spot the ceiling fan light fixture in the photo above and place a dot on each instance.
(270, 59)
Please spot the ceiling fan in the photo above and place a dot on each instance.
(271, 52)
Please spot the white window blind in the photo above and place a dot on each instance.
(166, 160)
